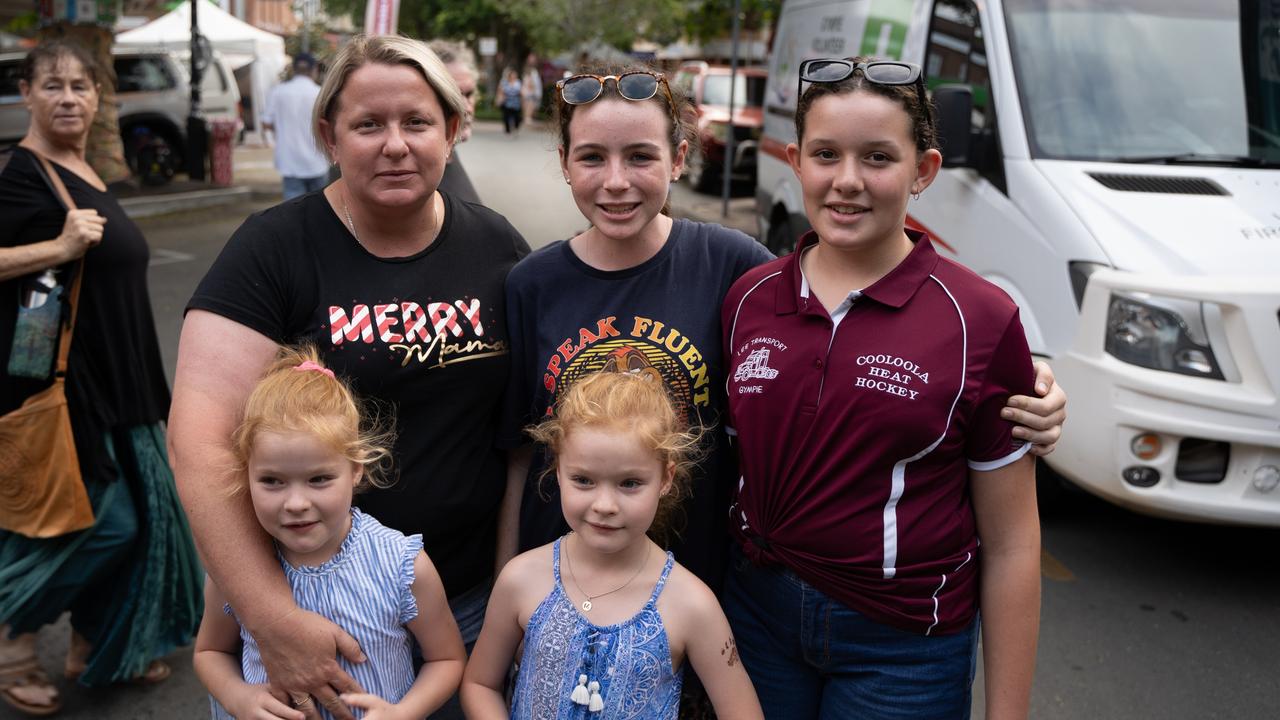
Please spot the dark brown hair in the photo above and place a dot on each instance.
(48, 53)
(923, 129)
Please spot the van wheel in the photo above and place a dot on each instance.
(702, 179)
(782, 239)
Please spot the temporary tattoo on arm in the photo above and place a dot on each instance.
(730, 651)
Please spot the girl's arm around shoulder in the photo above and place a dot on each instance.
(519, 588)
(217, 664)
(443, 653)
(1004, 505)
(698, 630)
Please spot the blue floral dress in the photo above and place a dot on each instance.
(574, 670)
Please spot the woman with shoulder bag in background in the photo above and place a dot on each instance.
(132, 580)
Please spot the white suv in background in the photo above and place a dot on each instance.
(154, 96)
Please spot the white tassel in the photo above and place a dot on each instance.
(580, 696)
(597, 702)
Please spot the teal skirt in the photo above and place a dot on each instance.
(150, 604)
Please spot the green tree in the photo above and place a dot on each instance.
(713, 19)
(543, 26)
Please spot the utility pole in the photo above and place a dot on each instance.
(197, 133)
(733, 88)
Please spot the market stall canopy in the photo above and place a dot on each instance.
(238, 42)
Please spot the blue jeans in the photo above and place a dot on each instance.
(813, 657)
(296, 186)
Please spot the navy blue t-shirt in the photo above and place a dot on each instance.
(662, 316)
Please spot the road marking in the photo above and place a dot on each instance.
(1053, 569)
(160, 256)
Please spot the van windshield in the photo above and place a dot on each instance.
(1158, 81)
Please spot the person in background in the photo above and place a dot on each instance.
(132, 580)
(298, 158)
(510, 99)
(532, 82)
(461, 64)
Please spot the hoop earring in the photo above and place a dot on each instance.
(915, 196)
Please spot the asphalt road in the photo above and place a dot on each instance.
(1142, 618)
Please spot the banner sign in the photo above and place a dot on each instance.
(90, 12)
(380, 17)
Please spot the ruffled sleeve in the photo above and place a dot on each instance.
(405, 578)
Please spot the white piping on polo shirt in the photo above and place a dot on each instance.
(728, 428)
(733, 329)
(899, 477)
(967, 558)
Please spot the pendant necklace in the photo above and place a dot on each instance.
(586, 604)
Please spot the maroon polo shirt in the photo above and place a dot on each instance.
(857, 438)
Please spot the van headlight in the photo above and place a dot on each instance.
(1161, 333)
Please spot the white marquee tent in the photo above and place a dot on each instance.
(238, 42)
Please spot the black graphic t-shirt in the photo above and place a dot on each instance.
(425, 335)
(663, 317)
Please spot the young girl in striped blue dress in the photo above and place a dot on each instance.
(608, 620)
(306, 447)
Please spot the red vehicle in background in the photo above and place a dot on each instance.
(708, 87)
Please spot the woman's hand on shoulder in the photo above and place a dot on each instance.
(698, 624)
(1039, 419)
(81, 231)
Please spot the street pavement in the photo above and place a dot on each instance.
(1142, 618)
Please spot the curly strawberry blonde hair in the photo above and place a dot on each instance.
(631, 403)
(314, 401)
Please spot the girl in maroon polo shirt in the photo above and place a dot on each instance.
(867, 379)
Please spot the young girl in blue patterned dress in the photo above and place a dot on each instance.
(305, 447)
(607, 619)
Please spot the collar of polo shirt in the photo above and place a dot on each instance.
(894, 289)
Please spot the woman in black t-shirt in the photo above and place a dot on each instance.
(131, 581)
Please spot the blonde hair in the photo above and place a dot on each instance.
(386, 50)
(633, 403)
(289, 398)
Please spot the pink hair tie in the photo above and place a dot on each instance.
(313, 365)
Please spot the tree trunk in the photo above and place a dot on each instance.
(105, 150)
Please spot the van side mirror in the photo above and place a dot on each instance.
(954, 104)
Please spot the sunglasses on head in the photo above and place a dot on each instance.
(879, 72)
(637, 85)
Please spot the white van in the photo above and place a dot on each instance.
(1114, 165)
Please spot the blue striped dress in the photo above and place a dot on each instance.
(366, 589)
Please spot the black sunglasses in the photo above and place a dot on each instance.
(880, 72)
(637, 85)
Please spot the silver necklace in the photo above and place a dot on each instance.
(351, 223)
(586, 604)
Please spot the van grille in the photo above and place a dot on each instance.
(1158, 184)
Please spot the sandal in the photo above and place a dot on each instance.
(26, 673)
(157, 672)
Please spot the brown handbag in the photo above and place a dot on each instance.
(41, 492)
